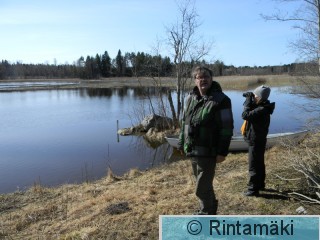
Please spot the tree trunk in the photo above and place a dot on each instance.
(174, 116)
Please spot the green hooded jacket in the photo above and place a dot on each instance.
(207, 123)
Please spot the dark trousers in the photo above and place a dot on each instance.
(204, 170)
(257, 169)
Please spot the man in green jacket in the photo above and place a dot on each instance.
(206, 131)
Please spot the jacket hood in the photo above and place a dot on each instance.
(215, 87)
(269, 106)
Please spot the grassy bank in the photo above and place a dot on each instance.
(227, 82)
(128, 207)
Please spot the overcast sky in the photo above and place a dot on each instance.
(39, 31)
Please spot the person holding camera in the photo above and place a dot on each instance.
(257, 111)
(205, 135)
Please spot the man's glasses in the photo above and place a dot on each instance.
(202, 77)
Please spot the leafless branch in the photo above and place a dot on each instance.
(305, 159)
(305, 19)
(287, 179)
(310, 200)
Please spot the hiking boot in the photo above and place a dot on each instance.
(251, 193)
(204, 213)
(199, 212)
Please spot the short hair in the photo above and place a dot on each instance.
(201, 69)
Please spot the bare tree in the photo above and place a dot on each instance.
(187, 47)
(305, 19)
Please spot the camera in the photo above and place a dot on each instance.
(248, 94)
(193, 130)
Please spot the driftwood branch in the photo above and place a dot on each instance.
(310, 200)
(287, 179)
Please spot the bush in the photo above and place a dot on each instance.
(304, 160)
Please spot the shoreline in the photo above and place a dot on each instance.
(227, 82)
(53, 84)
(128, 207)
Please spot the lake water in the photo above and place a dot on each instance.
(54, 137)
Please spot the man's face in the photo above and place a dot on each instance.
(203, 81)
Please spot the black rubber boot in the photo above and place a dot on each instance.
(251, 193)
(214, 208)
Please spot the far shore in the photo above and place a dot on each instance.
(227, 82)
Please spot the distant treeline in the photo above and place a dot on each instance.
(128, 65)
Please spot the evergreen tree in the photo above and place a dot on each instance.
(97, 66)
(119, 64)
(89, 68)
(106, 65)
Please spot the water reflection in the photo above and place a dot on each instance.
(97, 92)
(123, 92)
(156, 153)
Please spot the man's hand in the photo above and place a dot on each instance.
(220, 159)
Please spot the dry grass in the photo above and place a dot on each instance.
(250, 82)
(128, 207)
(238, 82)
(227, 82)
